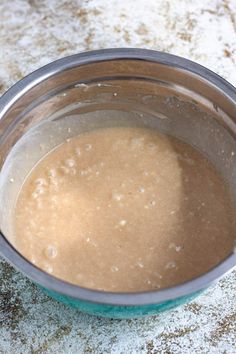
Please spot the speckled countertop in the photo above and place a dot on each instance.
(35, 32)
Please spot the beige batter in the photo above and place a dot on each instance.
(124, 209)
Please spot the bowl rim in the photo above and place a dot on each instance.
(95, 296)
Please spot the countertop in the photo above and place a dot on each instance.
(33, 33)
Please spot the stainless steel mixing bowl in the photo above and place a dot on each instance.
(113, 87)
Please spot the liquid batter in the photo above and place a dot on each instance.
(124, 209)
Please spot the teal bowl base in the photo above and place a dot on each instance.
(119, 312)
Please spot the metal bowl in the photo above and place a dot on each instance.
(90, 90)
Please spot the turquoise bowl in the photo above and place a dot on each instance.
(180, 97)
(120, 312)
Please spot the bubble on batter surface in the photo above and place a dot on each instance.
(114, 268)
(40, 190)
(123, 222)
(51, 251)
(141, 189)
(170, 265)
(83, 172)
(70, 162)
(78, 151)
(88, 147)
(117, 196)
(140, 264)
(158, 275)
(52, 172)
(48, 268)
(177, 248)
(41, 182)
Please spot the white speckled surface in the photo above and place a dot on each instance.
(35, 32)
